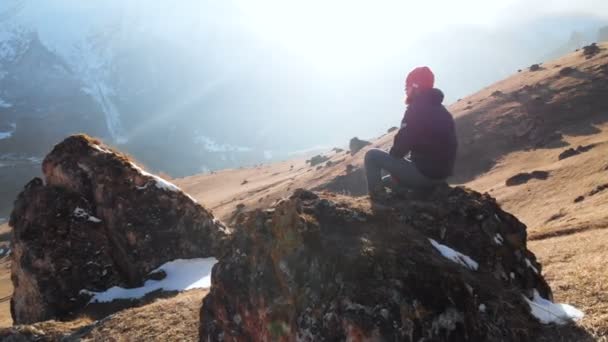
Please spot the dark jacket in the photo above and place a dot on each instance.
(427, 131)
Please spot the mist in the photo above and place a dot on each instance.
(279, 77)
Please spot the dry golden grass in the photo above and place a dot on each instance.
(576, 267)
(172, 319)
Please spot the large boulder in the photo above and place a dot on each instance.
(449, 267)
(98, 221)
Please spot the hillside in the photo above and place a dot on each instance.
(519, 125)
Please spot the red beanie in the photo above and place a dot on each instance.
(421, 77)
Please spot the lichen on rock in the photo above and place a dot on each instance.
(324, 268)
(93, 224)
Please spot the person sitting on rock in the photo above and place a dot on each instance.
(427, 135)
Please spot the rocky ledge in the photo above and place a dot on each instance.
(97, 221)
(450, 267)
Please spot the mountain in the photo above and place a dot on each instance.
(199, 93)
(535, 141)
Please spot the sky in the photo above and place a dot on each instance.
(315, 72)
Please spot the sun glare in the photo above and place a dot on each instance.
(345, 34)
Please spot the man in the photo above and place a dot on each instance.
(427, 135)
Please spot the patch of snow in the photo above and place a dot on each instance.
(212, 146)
(35, 160)
(455, 256)
(529, 264)
(4, 104)
(182, 275)
(81, 213)
(94, 219)
(310, 150)
(548, 312)
(159, 182)
(498, 239)
(101, 149)
(8, 134)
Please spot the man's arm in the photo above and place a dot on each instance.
(401, 145)
(404, 139)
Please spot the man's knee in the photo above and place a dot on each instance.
(372, 156)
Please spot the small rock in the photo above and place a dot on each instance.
(357, 144)
(535, 67)
(158, 275)
(567, 71)
(392, 129)
(524, 177)
(591, 50)
(318, 159)
(579, 199)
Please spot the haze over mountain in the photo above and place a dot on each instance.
(206, 85)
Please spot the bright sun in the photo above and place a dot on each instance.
(342, 33)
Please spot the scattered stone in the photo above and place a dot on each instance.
(337, 150)
(556, 216)
(579, 199)
(519, 70)
(158, 275)
(318, 159)
(575, 151)
(320, 269)
(142, 222)
(598, 189)
(524, 177)
(392, 129)
(244, 182)
(591, 50)
(566, 71)
(497, 93)
(535, 67)
(357, 144)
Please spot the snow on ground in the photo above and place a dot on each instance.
(455, 256)
(4, 104)
(7, 134)
(182, 274)
(159, 182)
(548, 312)
(213, 146)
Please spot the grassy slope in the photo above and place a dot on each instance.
(569, 238)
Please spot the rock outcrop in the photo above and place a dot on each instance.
(98, 221)
(450, 267)
(355, 145)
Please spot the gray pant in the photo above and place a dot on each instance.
(402, 170)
